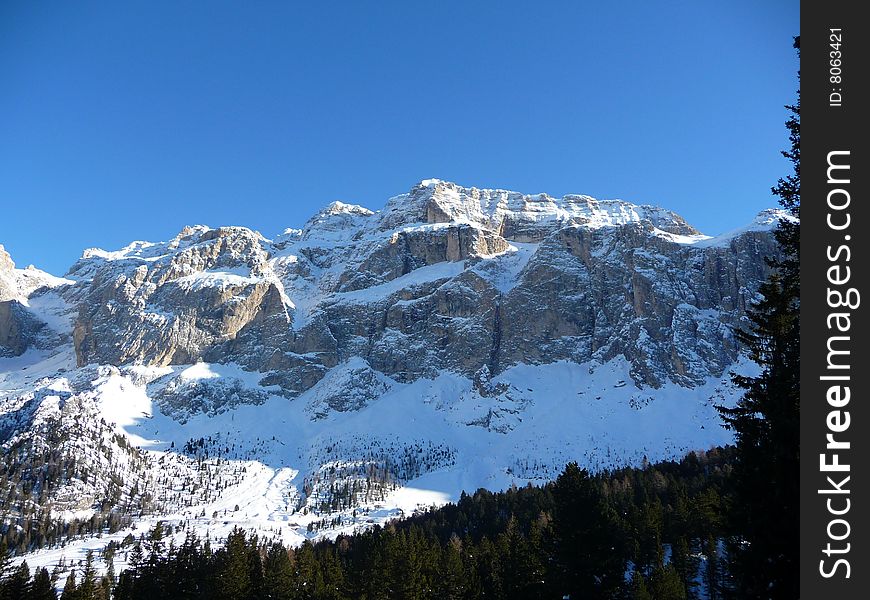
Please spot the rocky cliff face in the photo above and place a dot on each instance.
(444, 277)
(20, 327)
(455, 339)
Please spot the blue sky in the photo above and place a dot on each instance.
(123, 121)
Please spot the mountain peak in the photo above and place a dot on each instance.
(341, 208)
(771, 217)
(460, 337)
(526, 217)
(335, 221)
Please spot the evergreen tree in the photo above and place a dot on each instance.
(156, 543)
(665, 583)
(70, 590)
(523, 572)
(686, 564)
(17, 585)
(587, 531)
(638, 589)
(471, 568)
(255, 568)
(234, 577)
(766, 420)
(188, 569)
(125, 588)
(490, 570)
(333, 576)
(308, 576)
(710, 575)
(451, 573)
(650, 552)
(42, 588)
(562, 538)
(136, 555)
(89, 587)
(277, 574)
(5, 566)
(109, 560)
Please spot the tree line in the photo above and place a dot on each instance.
(650, 532)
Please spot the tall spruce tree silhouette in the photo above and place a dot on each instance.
(766, 421)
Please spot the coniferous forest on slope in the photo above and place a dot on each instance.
(631, 533)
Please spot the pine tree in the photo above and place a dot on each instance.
(17, 585)
(70, 590)
(109, 560)
(471, 566)
(451, 575)
(766, 420)
(42, 587)
(234, 577)
(710, 576)
(277, 574)
(650, 552)
(124, 590)
(490, 569)
(638, 589)
(308, 576)
(588, 537)
(5, 564)
(255, 568)
(665, 583)
(523, 572)
(88, 589)
(156, 543)
(333, 576)
(686, 564)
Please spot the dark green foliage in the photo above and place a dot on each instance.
(588, 536)
(70, 589)
(277, 573)
(638, 589)
(766, 421)
(235, 577)
(5, 565)
(17, 586)
(574, 536)
(89, 589)
(665, 582)
(42, 587)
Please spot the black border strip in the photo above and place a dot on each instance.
(834, 113)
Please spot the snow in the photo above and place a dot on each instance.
(21, 284)
(145, 251)
(408, 499)
(338, 207)
(219, 279)
(681, 239)
(53, 310)
(204, 370)
(766, 220)
(591, 413)
(428, 274)
(522, 426)
(18, 373)
(492, 207)
(503, 271)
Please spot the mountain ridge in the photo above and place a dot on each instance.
(366, 364)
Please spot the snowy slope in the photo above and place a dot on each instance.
(272, 468)
(364, 366)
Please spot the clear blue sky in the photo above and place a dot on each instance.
(128, 120)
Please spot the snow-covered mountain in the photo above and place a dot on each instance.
(365, 365)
